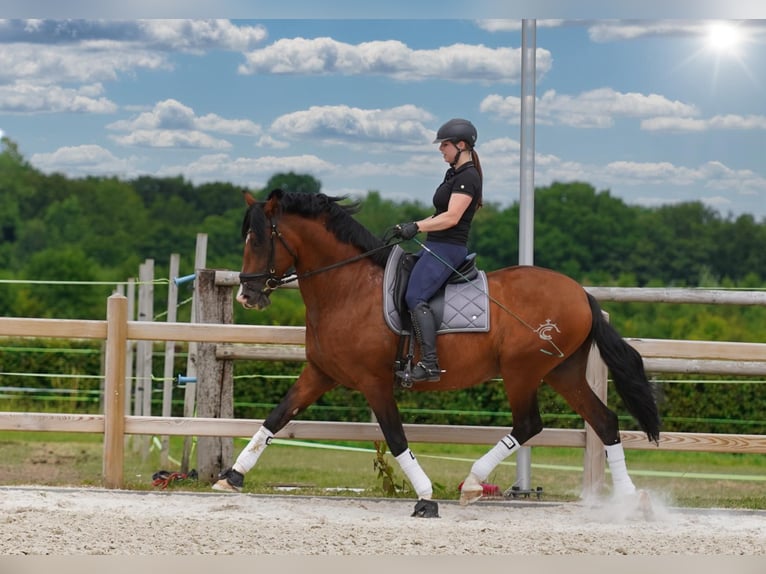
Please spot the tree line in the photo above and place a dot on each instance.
(53, 227)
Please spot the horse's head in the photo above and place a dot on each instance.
(267, 258)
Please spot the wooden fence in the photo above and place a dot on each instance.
(117, 330)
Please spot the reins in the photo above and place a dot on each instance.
(273, 282)
(340, 263)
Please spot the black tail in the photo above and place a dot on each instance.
(627, 369)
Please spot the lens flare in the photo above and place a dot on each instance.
(724, 37)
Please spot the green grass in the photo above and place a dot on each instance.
(681, 478)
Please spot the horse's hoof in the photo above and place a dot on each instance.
(471, 490)
(426, 509)
(229, 481)
(224, 486)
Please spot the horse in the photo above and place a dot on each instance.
(543, 325)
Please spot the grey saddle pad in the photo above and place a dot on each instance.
(463, 307)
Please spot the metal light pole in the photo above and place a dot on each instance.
(526, 191)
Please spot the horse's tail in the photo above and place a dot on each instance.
(627, 369)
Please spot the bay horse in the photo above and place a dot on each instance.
(543, 324)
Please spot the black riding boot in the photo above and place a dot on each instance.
(424, 325)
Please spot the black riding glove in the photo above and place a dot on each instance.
(406, 230)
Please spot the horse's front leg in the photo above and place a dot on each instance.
(526, 424)
(311, 385)
(380, 397)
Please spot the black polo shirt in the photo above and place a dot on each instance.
(465, 179)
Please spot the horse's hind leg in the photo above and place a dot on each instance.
(569, 380)
(311, 385)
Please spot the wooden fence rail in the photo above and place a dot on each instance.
(116, 330)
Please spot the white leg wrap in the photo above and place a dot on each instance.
(250, 454)
(621, 483)
(502, 450)
(418, 479)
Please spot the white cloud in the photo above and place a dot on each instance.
(631, 172)
(619, 30)
(84, 160)
(400, 125)
(245, 170)
(215, 123)
(167, 114)
(200, 35)
(271, 142)
(57, 52)
(171, 139)
(156, 34)
(23, 97)
(457, 62)
(173, 124)
(616, 30)
(86, 63)
(720, 122)
(502, 146)
(592, 109)
(709, 175)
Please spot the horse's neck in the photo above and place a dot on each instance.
(336, 278)
(342, 286)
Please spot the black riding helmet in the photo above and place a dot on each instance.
(456, 130)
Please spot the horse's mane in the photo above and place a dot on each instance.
(338, 220)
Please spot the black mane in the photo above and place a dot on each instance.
(339, 220)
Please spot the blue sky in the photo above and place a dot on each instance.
(655, 111)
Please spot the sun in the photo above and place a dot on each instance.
(724, 38)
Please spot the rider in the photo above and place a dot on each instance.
(455, 201)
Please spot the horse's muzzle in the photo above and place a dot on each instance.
(251, 299)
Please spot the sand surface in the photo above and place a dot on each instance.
(76, 522)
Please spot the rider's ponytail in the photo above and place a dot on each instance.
(477, 165)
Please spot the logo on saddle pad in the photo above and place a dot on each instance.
(461, 306)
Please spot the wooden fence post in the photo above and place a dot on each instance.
(130, 347)
(594, 461)
(167, 372)
(144, 354)
(215, 385)
(114, 385)
(190, 390)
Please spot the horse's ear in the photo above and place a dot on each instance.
(249, 199)
(272, 203)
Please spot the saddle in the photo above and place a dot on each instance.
(461, 305)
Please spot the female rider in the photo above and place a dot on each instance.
(455, 202)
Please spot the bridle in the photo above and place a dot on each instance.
(274, 281)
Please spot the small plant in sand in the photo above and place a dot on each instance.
(386, 471)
